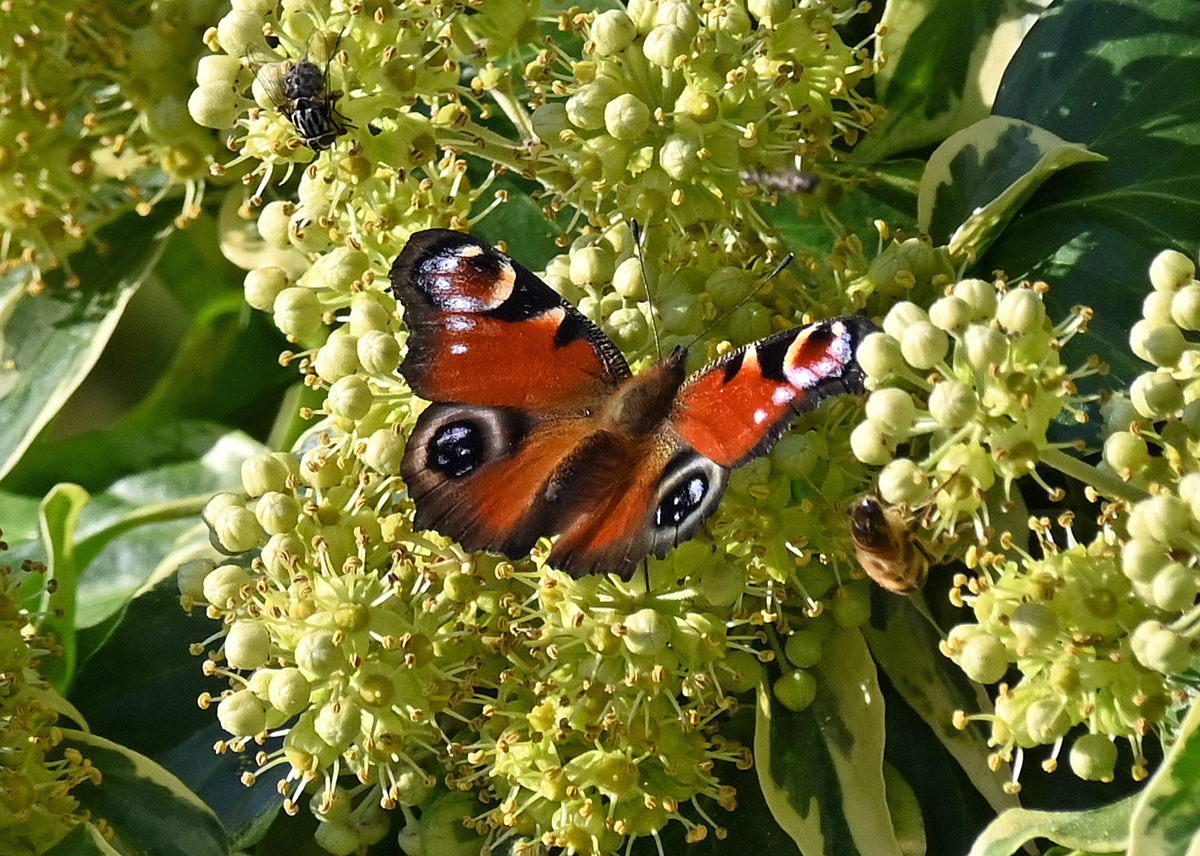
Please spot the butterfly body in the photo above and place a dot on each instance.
(537, 426)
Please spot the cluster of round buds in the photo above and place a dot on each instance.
(1063, 622)
(37, 806)
(610, 734)
(674, 99)
(970, 387)
(93, 117)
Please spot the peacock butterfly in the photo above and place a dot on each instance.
(537, 427)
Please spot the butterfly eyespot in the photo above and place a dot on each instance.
(682, 501)
(457, 449)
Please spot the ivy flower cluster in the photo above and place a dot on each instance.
(1103, 634)
(575, 714)
(131, 143)
(36, 775)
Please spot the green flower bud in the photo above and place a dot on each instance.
(277, 512)
(1189, 491)
(728, 286)
(1034, 624)
(1156, 395)
(237, 530)
(902, 316)
(980, 295)
(952, 404)
(306, 233)
(190, 577)
(338, 722)
(626, 118)
(612, 32)
(1094, 757)
(984, 347)
(796, 690)
(223, 587)
(264, 473)
(1021, 311)
(1156, 307)
(648, 632)
(1046, 720)
(869, 444)
(247, 645)
(893, 412)
(297, 313)
(1127, 453)
(318, 469)
(218, 70)
(586, 108)
(336, 839)
(679, 157)
(1160, 344)
(1165, 651)
(803, 648)
(280, 552)
(337, 358)
(741, 671)
(628, 328)
(879, 356)
(1143, 558)
(350, 397)
(378, 352)
(698, 106)
(773, 11)
(550, 120)
(591, 265)
(983, 659)
(852, 604)
(923, 345)
(337, 270)
(242, 714)
(262, 286)
(1185, 306)
(901, 482)
(273, 224)
(1175, 587)
(384, 451)
(951, 314)
(1171, 269)
(665, 44)
(213, 107)
(318, 655)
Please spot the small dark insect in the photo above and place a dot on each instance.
(885, 547)
(300, 91)
(784, 181)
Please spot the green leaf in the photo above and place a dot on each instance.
(977, 180)
(84, 839)
(905, 645)
(53, 339)
(150, 810)
(60, 512)
(1166, 820)
(1119, 82)
(821, 770)
(944, 61)
(1098, 830)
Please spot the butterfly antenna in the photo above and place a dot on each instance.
(762, 283)
(636, 229)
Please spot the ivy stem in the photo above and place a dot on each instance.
(1104, 483)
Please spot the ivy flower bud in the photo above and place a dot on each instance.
(869, 444)
(247, 645)
(626, 117)
(980, 296)
(879, 356)
(803, 648)
(337, 358)
(384, 451)
(1171, 269)
(985, 347)
(297, 313)
(318, 655)
(274, 222)
(679, 157)
(213, 107)
(1021, 311)
(240, 32)
(796, 690)
(648, 632)
(1175, 587)
(983, 658)
(350, 397)
(224, 585)
(612, 32)
(277, 512)
(237, 529)
(1094, 757)
(924, 345)
(190, 578)
(289, 691)
(263, 473)
(1160, 518)
(1164, 651)
(1034, 624)
(1160, 344)
(591, 265)
(893, 411)
(952, 404)
(262, 286)
(902, 316)
(666, 43)
(1127, 453)
(1156, 395)
(242, 714)
(951, 314)
(378, 352)
(902, 482)
(627, 280)
(1157, 307)
(1185, 306)
(218, 70)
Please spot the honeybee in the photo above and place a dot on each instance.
(300, 91)
(885, 547)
